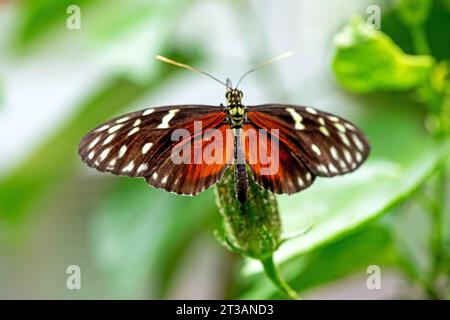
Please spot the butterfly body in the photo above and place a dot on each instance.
(236, 118)
(284, 146)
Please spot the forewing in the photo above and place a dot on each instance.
(141, 144)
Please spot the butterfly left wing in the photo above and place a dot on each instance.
(143, 143)
(311, 143)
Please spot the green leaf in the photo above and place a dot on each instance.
(367, 60)
(138, 233)
(37, 17)
(372, 246)
(446, 4)
(412, 243)
(403, 157)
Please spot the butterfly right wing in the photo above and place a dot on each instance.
(141, 144)
(311, 143)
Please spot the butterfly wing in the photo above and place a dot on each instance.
(156, 144)
(274, 166)
(311, 143)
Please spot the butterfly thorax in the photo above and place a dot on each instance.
(236, 110)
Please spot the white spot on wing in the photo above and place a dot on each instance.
(334, 153)
(164, 180)
(102, 128)
(324, 131)
(340, 127)
(115, 128)
(344, 139)
(91, 155)
(147, 112)
(348, 156)
(155, 176)
(129, 167)
(333, 118)
(322, 168)
(358, 142)
(297, 118)
(300, 182)
(122, 119)
(122, 151)
(133, 131)
(165, 120)
(332, 168)
(109, 138)
(104, 154)
(142, 167)
(311, 110)
(137, 122)
(316, 149)
(112, 163)
(146, 147)
(94, 142)
(308, 176)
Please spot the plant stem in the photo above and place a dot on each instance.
(273, 274)
(437, 231)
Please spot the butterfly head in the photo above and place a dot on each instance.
(234, 96)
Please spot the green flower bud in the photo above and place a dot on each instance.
(252, 228)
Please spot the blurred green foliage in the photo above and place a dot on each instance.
(140, 233)
(414, 12)
(37, 17)
(367, 60)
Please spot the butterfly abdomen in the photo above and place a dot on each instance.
(240, 171)
(241, 182)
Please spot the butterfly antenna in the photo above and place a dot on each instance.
(186, 66)
(277, 58)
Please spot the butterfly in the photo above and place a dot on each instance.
(285, 147)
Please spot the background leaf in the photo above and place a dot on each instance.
(141, 244)
(367, 60)
(353, 254)
(414, 12)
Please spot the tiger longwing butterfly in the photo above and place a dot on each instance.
(307, 143)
